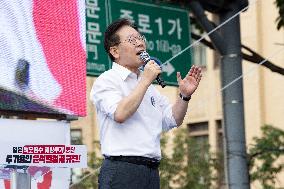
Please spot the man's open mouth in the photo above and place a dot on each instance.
(139, 52)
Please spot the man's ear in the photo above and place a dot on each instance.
(114, 52)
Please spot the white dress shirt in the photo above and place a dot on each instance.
(139, 135)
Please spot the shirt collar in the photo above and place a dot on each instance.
(122, 71)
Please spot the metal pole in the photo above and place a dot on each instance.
(20, 180)
(233, 108)
(228, 43)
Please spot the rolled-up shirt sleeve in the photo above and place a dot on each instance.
(168, 120)
(105, 95)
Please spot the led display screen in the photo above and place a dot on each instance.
(43, 56)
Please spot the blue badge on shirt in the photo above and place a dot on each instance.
(152, 101)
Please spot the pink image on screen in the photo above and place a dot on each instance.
(43, 56)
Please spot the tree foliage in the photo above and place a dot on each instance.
(266, 157)
(191, 165)
(89, 177)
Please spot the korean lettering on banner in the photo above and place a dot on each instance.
(166, 27)
(93, 28)
(43, 154)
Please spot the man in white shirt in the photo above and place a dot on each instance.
(132, 113)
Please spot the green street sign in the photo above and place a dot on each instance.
(96, 23)
(166, 29)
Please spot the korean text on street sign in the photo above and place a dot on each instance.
(166, 29)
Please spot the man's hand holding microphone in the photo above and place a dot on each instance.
(151, 71)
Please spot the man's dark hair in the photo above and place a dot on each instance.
(111, 38)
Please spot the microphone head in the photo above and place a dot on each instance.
(156, 60)
(145, 57)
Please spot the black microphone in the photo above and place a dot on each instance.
(145, 57)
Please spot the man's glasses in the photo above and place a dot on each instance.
(132, 39)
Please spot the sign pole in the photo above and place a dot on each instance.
(20, 180)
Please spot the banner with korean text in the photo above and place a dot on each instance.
(68, 156)
(18, 133)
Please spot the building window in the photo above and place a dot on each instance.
(198, 129)
(199, 134)
(76, 136)
(199, 55)
(220, 142)
(198, 154)
(198, 51)
(220, 155)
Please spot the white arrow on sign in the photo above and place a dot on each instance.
(168, 68)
